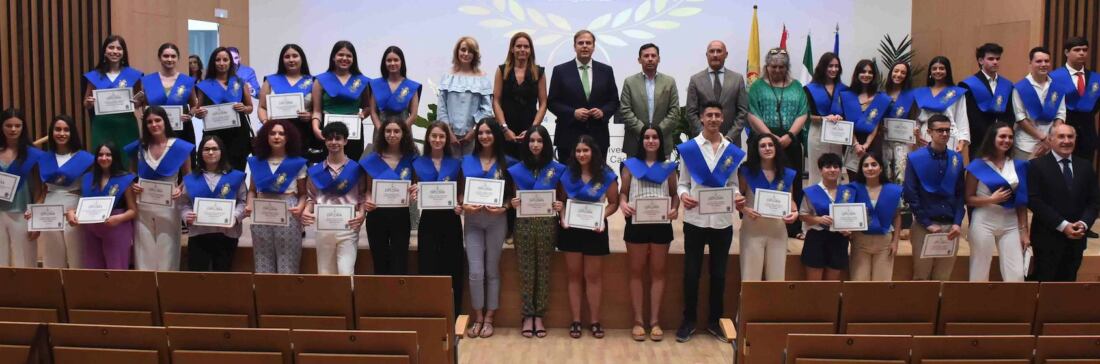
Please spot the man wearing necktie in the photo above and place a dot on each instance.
(583, 97)
(718, 84)
(1064, 197)
(1082, 89)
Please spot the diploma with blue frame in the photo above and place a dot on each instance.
(113, 100)
(217, 212)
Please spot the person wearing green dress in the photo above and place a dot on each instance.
(112, 71)
(340, 91)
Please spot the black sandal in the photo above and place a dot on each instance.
(575, 330)
(527, 333)
(597, 330)
(539, 333)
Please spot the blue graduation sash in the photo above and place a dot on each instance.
(116, 186)
(426, 172)
(947, 97)
(280, 85)
(471, 167)
(880, 215)
(377, 168)
(820, 96)
(988, 176)
(591, 191)
(657, 173)
(226, 188)
(926, 168)
(865, 120)
(545, 179)
(23, 168)
(127, 77)
(178, 95)
(344, 182)
(233, 91)
(1068, 84)
(280, 180)
(170, 164)
(393, 101)
(1040, 112)
(350, 91)
(66, 174)
(697, 166)
(899, 108)
(757, 180)
(990, 102)
(819, 198)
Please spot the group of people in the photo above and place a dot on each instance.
(489, 127)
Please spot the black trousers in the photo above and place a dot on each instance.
(210, 253)
(1057, 260)
(388, 237)
(1086, 133)
(695, 239)
(440, 251)
(794, 161)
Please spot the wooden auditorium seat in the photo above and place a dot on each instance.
(771, 310)
(409, 303)
(303, 301)
(1067, 308)
(889, 308)
(207, 299)
(85, 344)
(836, 349)
(359, 347)
(1067, 350)
(17, 341)
(987, 308)
(209, 345)
(1004, 349)
(111, 297)
(31, 295)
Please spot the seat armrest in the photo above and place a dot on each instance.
(729, 331)
(460, 325)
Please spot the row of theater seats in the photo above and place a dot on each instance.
(421, 304)
(769, 311)
(900, 349)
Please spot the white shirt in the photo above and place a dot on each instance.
(1025, 141)
(650, 89)
(721, 75)
(580, 72)
(960, 123)
(1058, 158)
(686, 184)
(992, 82)
(1073, 75)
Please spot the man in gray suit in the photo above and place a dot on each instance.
(649, 98)
(722, 85)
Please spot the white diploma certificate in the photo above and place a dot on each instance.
(900, 130)
(220, 116)
(485, 192)
(838, 132)
(216, 212)
(113, 101)
(771, 203)
(536, 203)
(46, 218)
(175, 116)
(354, 124)
(390, 193)
(938, 246)
(333, 217)
(155, 192)
(94, 210)
(8, 184)
(285, 106)
(437, 195)
(584, 215)
(651, 210)
(717, 200)
(270, 212)
(848, 216)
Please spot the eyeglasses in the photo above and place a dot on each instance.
(211, 150)
(941, 130)
(777, 51)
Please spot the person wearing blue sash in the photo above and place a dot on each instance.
(934, 191)
(292, 76)
(158, 156)
(764, 239)
(60, 169)
(873, 250)
(342, 90)
(245, 73)
(899, 86)
(388, 228)
(865, 106)
(194, 67)
(1039, 104)
(535, 236)
(821, 93)
(222, 86)
(210, 248)
(825, 253)
(112, 72)
(1082, 90)
(18, 157)
(996, 191)
(647, 174)
(337, 181)
(278, 172)
(394, 93)
(465, 94)
(587, 178)
(439, 233)
(942, 97)
(109, 244)
(169, 87)
(990, 98)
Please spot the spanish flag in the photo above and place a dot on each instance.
(752, 67)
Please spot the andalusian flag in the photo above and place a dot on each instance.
(807, 73)
(752, 66)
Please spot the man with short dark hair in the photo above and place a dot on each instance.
(990, 98)
(649, 98)
(934, 190)
(1039, 106)
(583, 96)
(1082, 90)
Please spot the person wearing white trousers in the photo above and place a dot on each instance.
(18, 247)
(61, 169)
(764, 239)
(337, 181)
(157, 157)
(996, 191)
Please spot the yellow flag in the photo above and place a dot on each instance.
(752, 66)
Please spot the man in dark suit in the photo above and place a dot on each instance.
(989, 96)
(1064, 197)
(722, 85)
(583, 96)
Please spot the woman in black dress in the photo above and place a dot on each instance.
(519, 93)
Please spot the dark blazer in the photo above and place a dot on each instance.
(980, 121)
(566, 95)
(1052, 202)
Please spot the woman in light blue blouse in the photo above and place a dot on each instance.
(465, 94)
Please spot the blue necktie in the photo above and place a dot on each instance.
(1067, 173)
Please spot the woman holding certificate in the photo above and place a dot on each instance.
(109, 242)
(338, 96)
(864, 106)
(223, 101)
(765, 177)
(213, 209)
(825, 253)
(439, 234)
(277, 198)
(820, 93)
(898, 87)
(159, 161)
(286, 95)
(389, 177)
(108, 95)
(486, 189)
(170, 89)
(996, 191)
(941, 96)
(394, 93)
(60, 169)
(591, 188)
(335, 193)
(536, 181)
(873, 250)
(648, 200)
(18, 183)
